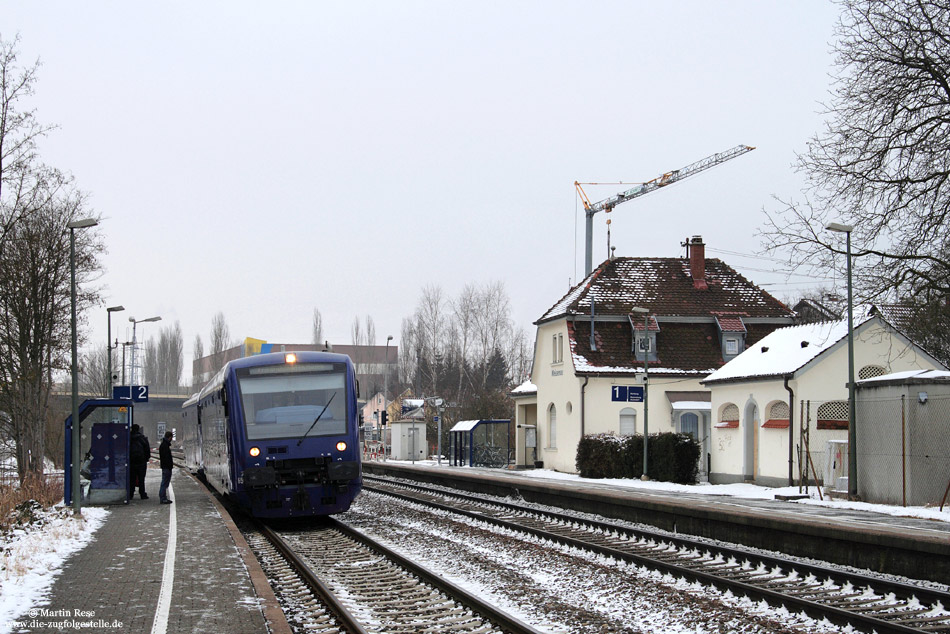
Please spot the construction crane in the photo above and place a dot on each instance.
(663, 180)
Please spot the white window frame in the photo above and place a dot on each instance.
(628, 412)
(649, 346)
(552, 427)
(731, 346)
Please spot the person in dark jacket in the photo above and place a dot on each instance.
(165, 458)
(139, 453)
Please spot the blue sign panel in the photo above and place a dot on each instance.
(135, 393)
(626, 394)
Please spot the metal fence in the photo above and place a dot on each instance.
(903, 449)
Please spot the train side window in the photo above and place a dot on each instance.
(224, 401)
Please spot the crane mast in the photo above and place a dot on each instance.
(641, 189)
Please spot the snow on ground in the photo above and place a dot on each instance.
(747, 491)
(32, 555)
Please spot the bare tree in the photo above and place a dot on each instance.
(406, 362)
(197, 354)
(173, 344)
(220, 340)
(317, 328)
(369, 334)
(19, 132)
(35, 312)
(94, 373)
(36, 204)
(882, 164)
(163, 358)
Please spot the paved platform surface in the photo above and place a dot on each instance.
(793, 511)
(124, 576)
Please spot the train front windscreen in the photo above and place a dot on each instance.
(294, 400)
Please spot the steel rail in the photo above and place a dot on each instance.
(507, 622)
(838, 615)
(312, 581)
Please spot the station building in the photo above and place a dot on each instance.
(628, 348)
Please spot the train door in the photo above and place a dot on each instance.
(199, 441)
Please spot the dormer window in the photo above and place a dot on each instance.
(644, 341)
(732, 332)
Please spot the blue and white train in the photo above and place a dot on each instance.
(278, 433)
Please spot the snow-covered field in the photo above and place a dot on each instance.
(32, 555)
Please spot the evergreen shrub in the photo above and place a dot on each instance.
(672, 457)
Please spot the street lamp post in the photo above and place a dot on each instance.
(135, 322)
(646, 385)
(109, 311)
(852, 432)
(74, 432)
(382, 432)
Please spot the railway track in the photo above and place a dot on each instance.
(845, 598)
(343, 581)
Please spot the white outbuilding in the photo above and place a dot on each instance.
(780, 409)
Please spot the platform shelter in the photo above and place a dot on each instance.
(104, 429)
(480, 443)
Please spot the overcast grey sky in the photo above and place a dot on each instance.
(263, 159)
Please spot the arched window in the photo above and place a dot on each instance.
(833, 415)
(777, 417)
(871, 371)
(552, 427)
(728, 416)
(628, 421)
(689, 424)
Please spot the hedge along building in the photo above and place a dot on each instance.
(760, 398)
(588, 372)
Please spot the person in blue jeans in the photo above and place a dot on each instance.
(165, 458)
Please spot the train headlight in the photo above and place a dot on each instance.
(255, 452)
(341, 446)
(290, 357)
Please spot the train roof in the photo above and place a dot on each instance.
(275, 358)
(270, 358)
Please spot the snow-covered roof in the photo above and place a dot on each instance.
(908, 375)
(692, 405)
(665, 286)
(465, 425)
(785, 350)
(525, 388)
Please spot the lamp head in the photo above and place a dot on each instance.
(840, 228)
(82, 224)
(115, 309)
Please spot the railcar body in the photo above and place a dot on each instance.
(278, 433)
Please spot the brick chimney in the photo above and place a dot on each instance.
(697, 262)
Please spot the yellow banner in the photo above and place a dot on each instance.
(253, 346)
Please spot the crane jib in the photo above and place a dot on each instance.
(668, 178)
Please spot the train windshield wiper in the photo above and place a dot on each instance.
(316, 419)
